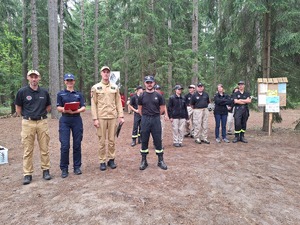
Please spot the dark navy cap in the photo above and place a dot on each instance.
(69, 76)
(178, 87)
(200, 84)
(149, 79)
(157, 87)
(241, 82)
(139, 87)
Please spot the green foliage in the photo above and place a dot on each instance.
(230, 42)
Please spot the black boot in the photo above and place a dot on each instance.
(242, 138)
(236, 138)
(111, 164)
(144, 163)
(133, 143)
(46, 175)
(161, 162)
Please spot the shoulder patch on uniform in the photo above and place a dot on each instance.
(113, 88)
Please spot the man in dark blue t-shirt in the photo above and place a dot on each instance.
(151, 105)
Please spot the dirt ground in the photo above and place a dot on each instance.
(254, 183)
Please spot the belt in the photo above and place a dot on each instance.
(35, 118)
(70, 115)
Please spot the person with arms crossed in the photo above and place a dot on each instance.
(106, 107)
(222, 100)
(33, 103)
(241, 100)
(70, 121)
(151, 105)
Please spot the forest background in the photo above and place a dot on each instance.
(177, 41)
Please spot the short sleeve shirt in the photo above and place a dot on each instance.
(200, 101)
(66, 96)
(33, 102)
(239, 95)
(151, 102)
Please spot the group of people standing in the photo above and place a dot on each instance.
(33, 103)
(188, 114)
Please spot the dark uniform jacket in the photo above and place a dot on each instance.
(221, 102)
(177, 108)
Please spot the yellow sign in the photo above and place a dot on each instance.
(272, 93)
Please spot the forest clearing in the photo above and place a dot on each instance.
(254, 183)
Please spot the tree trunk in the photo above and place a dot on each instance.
(195, 41)
(126, 45)
(61, 45)
(96, 67)
(81, 70)
(170, 65)
(151, 42)
(25, 43)
(53, 55)
(267, 61)
(35, 50)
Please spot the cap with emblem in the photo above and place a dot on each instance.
(149, 79)
(178, 87)
(104, 68)
(69, 76)
(241, 82)
(33, 72)
(200, 84)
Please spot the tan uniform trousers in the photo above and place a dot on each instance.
(107, 127)
(30, 128)
(189, 128)
(200, 122)
(178, 128)
(230, 121)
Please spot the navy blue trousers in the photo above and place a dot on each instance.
(66, 126)
(223, 120)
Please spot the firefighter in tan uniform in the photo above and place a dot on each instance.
(106, 107)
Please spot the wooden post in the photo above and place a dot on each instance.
(270, 123)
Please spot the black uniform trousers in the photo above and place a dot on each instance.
(241, 115)
(136, 125)
(151, 125)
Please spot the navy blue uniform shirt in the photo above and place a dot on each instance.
(33, 103)
(66, 96)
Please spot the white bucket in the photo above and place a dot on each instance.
(3, 155)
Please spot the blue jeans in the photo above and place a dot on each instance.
(66, 125)
(223, 119)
